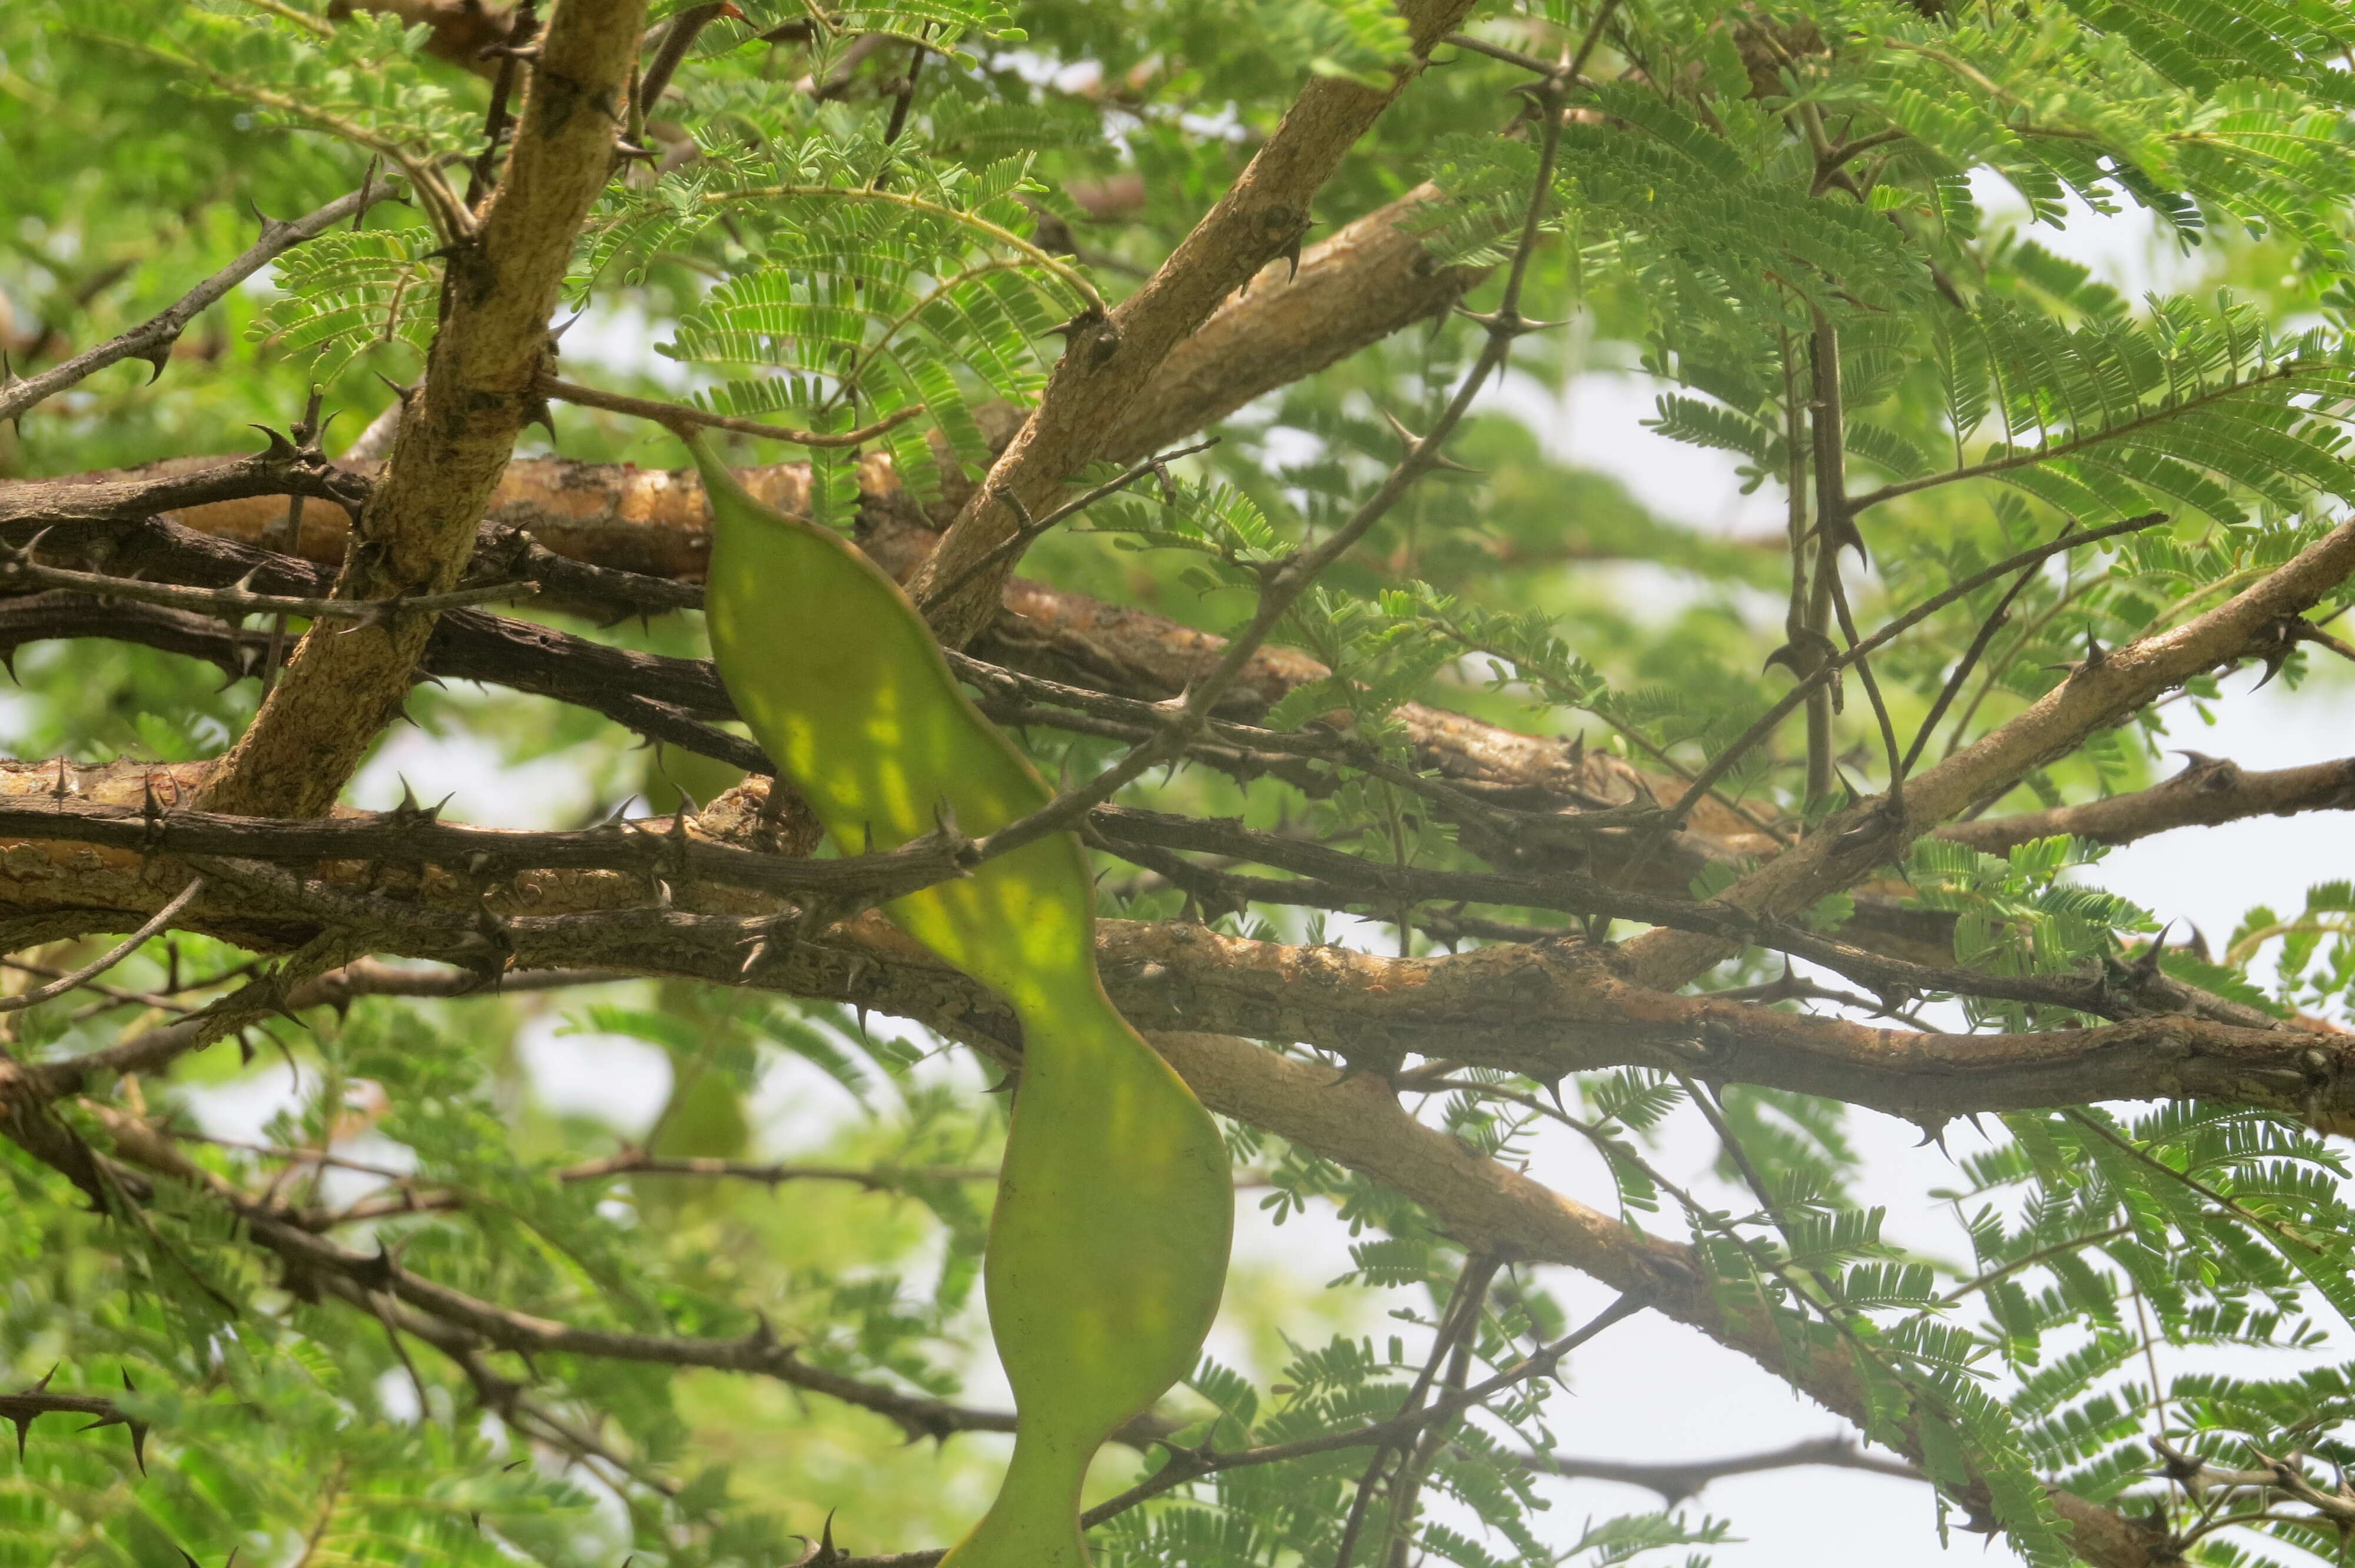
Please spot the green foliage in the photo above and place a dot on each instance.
(1741, 201)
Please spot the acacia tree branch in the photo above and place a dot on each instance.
(1356, 1121)
(1830, 663)
(1110, 358)
(1677, 1481)
(459, 428)
(1373, 277)
(1483, 1205)
(643, 849)
(151, 339)
(489, 1325)
(2211, 791)
(1851, 843)
(25, 1406)
(108, 959)
(672, 700)
(1282, 583)
(687, 413)
(261, 485)
(663, 697)
(1544, 1010)
(654, 857)
(20, 569)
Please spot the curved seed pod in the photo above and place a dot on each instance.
(1108, 1244)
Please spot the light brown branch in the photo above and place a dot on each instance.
(108, 959)
(1373, 277)
(1546, 1008)
(686, 413)
(1109, 360)
(1485, 1206)
(480, 387)
(2212, 791)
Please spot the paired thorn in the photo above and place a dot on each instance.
(1414, 443)
(827, 1553)
(138, 1428)
(272, 227)
(409, 813)
(1508, 323)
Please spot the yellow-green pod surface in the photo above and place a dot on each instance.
(1108, 1244)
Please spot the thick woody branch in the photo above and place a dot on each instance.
(654, 850)
(676, 701)
(1372, 277)
(1110, 360)
(1160, 975)
(662, 853)
(1545, 1009)
(1074, 645)
(455, 437)
(1485, 1206)
(261, 485)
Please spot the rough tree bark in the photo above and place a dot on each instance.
(1110, 360)
(342, 688)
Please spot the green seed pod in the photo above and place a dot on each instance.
(1108, 1244)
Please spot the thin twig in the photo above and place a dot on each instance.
(111, 956)
(496, 119)
(1971, 656)
(1031, 531)
(1833, 533)
(1459, 1321)
(1187, 1465)
(151, 339)
(687, 414)
(1529, 63)
(1602, 15)
(20, 569)
(668, 55)
(1766, 723)
(1872, 694)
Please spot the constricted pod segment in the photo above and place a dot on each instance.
(1108, 1244)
